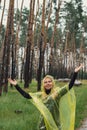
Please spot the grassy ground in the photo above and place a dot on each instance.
(17, 113)
(81, 106)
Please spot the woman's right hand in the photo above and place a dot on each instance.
(13, 82)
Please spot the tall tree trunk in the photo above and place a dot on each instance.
(17, 40)
(45, 37)
(82, 54)
(28, 49)
(32, 45)
(66, 51)
(22, 70)
(41, 49)
(6, 52)
(52, 39)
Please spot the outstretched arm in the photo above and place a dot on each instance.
(74, 76)
(63, 90)
(22, 92)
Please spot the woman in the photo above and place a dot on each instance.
(56, 114)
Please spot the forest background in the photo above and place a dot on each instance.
(47, 37)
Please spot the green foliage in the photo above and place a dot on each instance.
(23, 24)
(72, 14)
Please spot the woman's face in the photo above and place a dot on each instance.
(48, 84)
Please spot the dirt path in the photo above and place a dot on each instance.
(84, 125)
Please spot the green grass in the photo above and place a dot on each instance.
(81, 104)
(27, 117)
(10, 118)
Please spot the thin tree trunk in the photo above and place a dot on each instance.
(52, 39)
(32, 45)
(17, 40)
(45, 37)
(41, 49)
(28, 50)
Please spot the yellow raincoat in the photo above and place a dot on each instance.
(57, 109)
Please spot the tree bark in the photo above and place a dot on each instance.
(29, 40)
(6, 51)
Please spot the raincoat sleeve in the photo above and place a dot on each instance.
(67, 87)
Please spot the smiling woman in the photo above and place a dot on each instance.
(56, 112)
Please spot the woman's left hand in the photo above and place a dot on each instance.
(78, 68)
